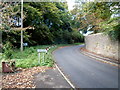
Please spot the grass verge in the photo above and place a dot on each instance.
(29, 57)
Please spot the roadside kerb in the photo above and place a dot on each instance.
(99, 58)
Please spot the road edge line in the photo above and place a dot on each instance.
(99, 59)
(65, 77)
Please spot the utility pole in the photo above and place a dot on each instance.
(21, 25)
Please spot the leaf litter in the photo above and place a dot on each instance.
(23, 78)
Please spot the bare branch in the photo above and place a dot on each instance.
(18, 29)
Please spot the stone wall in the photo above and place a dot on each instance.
(103, 45)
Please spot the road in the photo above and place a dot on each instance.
(83, 71)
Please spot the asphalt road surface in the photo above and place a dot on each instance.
(85, 72)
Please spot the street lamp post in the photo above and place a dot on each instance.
(21, 25)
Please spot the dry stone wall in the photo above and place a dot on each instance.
(103, 45)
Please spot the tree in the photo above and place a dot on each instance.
(99, 15)
(10, 23)
(8, 11)
(50, 21)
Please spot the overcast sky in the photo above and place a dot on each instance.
(70, 4)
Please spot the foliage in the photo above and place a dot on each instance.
(77, 36)
(14, 37)
(99, 15)
(115, 33)
(8, 50)
(29, 57)
(51, 22)
(8, 11)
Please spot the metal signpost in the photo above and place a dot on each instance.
(21, 25)
(41, 51)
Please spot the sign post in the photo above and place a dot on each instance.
(43, 58)
(21, 25)
(39, 58)
(41, 51)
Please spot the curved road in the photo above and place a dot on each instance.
(85, 72)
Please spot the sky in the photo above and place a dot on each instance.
(70, 4)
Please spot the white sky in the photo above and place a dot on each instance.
(70, 4)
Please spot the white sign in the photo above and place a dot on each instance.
(25, 44)
(41, 50)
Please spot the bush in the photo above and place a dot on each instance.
(77, 37)
(8, 50)
(29, 57)
(68, 37)
(115, 33)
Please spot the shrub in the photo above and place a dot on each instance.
(8, 50)
(77, 37)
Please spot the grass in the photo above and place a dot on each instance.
(0, 62)
(29, 57)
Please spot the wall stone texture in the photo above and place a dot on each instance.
(102, 44)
